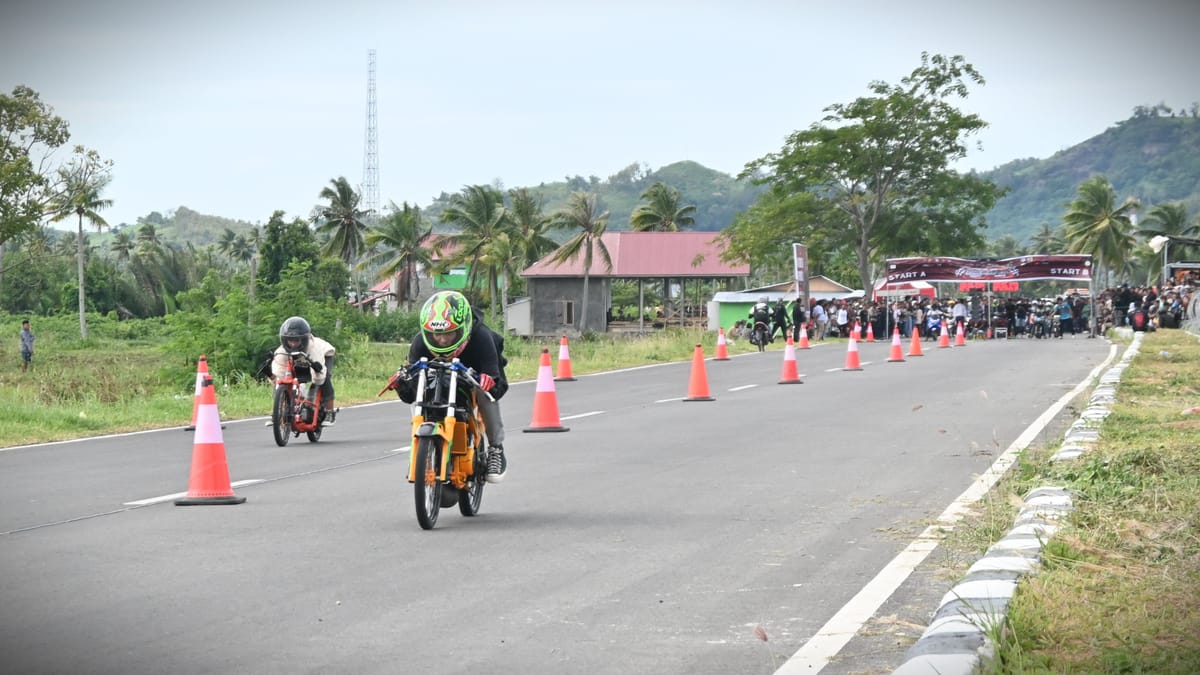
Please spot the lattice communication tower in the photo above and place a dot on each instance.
(370, 181)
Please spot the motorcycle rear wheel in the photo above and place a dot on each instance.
(471, 498)
(427, 489)
(281, 416)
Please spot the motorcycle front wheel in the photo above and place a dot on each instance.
(281, 416)
(427, 489)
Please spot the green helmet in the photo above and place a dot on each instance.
(446, 323)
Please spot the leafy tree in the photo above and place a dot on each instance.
(29, 134)
(122, 246)
(399, 242)
(582, 213)
(83, 181)
(479, 214)
(662, 210)
(342, 220)
(883, 160)
(1095, 224)
(283, 243)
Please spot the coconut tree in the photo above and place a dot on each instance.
(1046, 241)
(1170, 220)
(342, 221)
(530, 226)
(1095, 224)
(479, 214)
(82, 181)
(662, 210)
(582, 213)
(399, 249)
(122, 246)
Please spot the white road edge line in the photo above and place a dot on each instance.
(744, 386)
(668, 400)
(586, 414)
(177, 495)
(843, 626)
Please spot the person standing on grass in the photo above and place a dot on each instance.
(26, 345)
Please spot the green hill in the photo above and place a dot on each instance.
(1153, 158)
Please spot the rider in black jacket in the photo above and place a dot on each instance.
(451, 329)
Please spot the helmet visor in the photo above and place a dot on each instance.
(442, 343)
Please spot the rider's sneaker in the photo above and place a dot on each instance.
(330, 418)
(497, 464)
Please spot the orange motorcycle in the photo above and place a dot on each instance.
(448, 462)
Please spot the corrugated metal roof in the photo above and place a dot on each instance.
(649, 254)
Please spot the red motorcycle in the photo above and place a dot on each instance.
(297, 408)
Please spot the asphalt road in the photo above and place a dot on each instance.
(654, 536)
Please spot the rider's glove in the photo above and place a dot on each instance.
(486, 382)
(318, 367)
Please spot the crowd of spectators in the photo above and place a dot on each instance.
(1072, 314)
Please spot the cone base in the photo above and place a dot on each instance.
(529, 430)
(699, 398)
(791, 382)
(851, 368)
(895, 360)
(564, 379)
(190, 428)
(912, 355)
(209, 501)
(720, 358)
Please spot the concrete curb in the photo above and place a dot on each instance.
(957, 641)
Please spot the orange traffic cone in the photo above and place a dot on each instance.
(209, 480)
(852, 362)
(897, 349)
(989, 333)
(944, 337)
(856, 332)
(803, 338)
(722, 347)
(790, 374)
(870, 333)
(914, 349)
(201, 374)
(564, 362)
(545, 403)
(960, 337)
(698, 384)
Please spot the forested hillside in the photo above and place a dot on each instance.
(1153, 158)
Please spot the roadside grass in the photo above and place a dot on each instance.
(1119, 586)
(99, 386)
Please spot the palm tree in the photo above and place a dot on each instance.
(1046, 241)
(82, 184)
(400, 240)
(225, 241)
(342, 220)
(531, 227)
(582, 213)
(478, 212)
(122, 246)
(1095, 224)
(662, 211)
(1170, 220)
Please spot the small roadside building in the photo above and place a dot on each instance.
(555, 290)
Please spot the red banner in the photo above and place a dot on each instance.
(999, 286)
(1024, 268)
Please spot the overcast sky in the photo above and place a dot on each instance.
(237, 109)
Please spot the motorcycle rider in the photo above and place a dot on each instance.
(450, 329)
(761, 313)
(295, 335)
